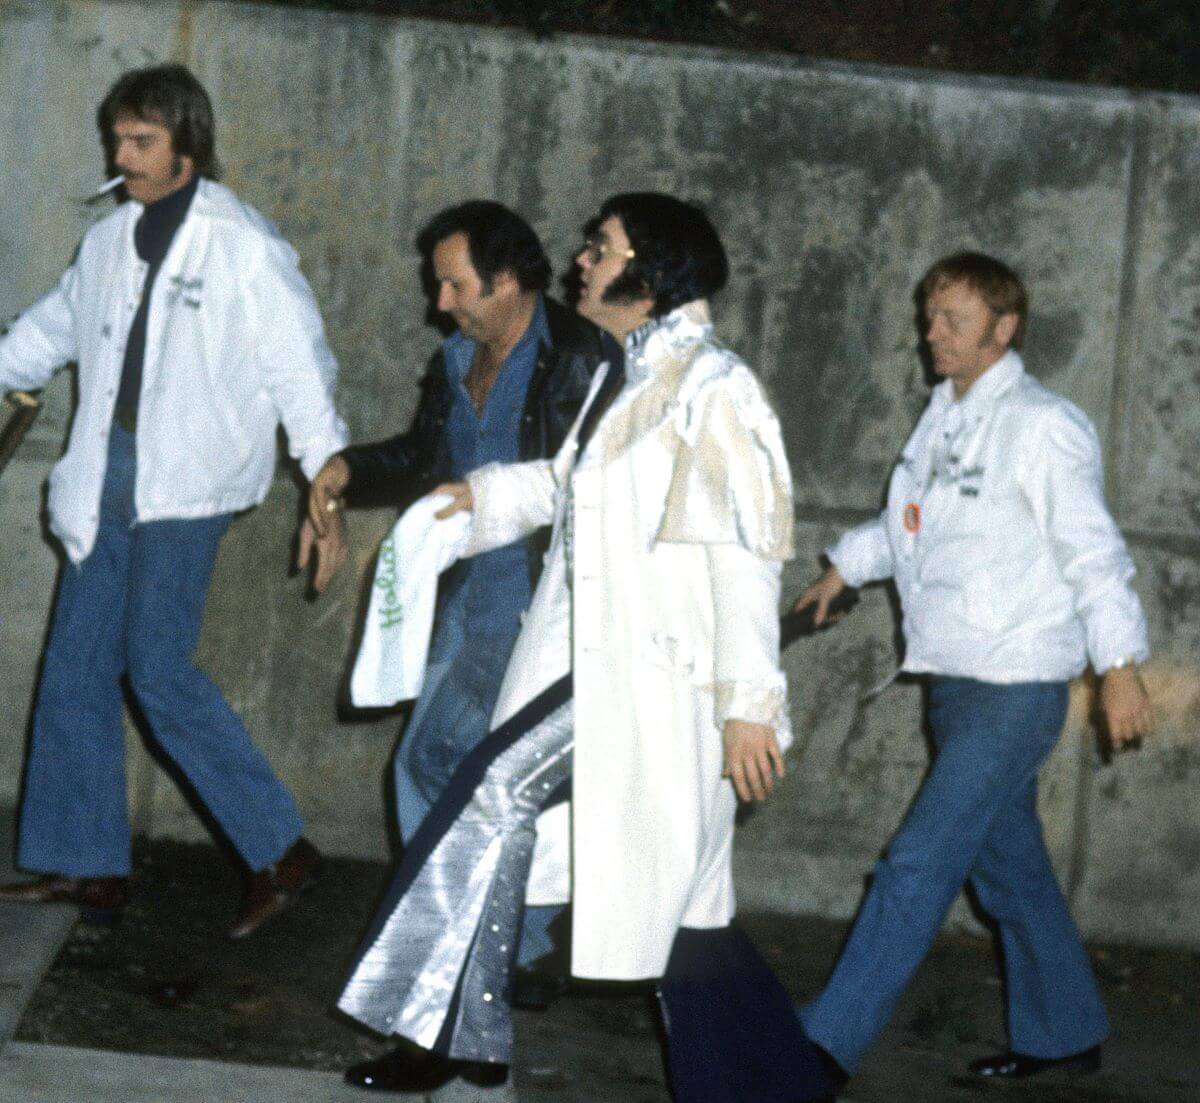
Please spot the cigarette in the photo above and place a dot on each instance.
(104, 189)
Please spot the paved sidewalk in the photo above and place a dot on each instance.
(30, 939)
(58, 1074)
(591, 1049)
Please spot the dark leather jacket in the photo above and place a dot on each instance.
(403, 467)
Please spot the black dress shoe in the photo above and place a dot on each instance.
(533, 990)
(410, 1068)
(1016, 1066)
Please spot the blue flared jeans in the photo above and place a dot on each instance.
(974, 820)
(133, 609)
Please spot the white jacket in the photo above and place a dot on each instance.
(1008, 564)
(666, 613)
(234, 346)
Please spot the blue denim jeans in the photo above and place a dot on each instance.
(133, 607)
(974, 819)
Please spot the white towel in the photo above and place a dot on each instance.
(390, 666)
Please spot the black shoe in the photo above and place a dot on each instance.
(534, 990)
(1016, 1066)
(413, 1069)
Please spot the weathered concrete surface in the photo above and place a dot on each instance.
(61, 1074)
(835, 187)
(30, 938)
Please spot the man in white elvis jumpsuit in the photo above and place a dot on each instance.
(646, 675)
(1012, 575)
(195, 336)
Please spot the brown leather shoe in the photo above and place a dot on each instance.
(271, 890)
(99, 899)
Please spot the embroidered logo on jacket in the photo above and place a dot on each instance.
(186, 291)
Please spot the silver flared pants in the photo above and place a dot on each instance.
(441, 963)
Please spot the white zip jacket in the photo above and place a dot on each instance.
(1008, 564)
(234, 346)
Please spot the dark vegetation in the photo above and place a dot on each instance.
(1145, 44)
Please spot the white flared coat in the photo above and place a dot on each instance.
(660, 594)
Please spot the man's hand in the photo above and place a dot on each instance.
(463, 499)
(823, 591)
(329, 551)
(752, 759)
(1126, 705)
(325, 492)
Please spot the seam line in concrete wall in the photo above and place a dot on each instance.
(1135, 213)
(185, 33)
(1080, 827)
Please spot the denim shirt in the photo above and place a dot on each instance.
(485, 596)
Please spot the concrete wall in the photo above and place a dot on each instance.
(834, 187)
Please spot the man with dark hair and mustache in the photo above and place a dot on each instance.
(195, 336)
(505, 386)
(646, 678)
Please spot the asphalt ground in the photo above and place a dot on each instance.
(162, 1007)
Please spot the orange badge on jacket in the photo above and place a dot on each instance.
(912, 517)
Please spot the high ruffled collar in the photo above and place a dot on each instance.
(647, 345)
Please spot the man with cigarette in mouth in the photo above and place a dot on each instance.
(195, 336)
